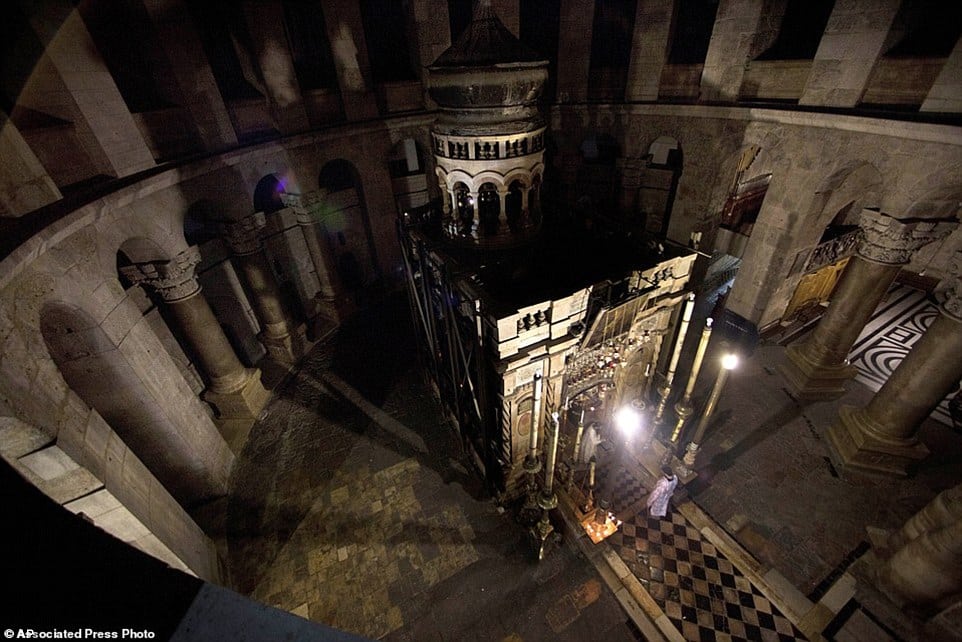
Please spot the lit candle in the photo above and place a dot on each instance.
(591, 474)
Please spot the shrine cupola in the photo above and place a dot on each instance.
(488, 141)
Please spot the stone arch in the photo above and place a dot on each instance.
(463, 206)
(826, 237)
(348, 225)
(514, 202)
(854, 186)
(191, 461)
(489, 207)
(666, 152)
(267, 194)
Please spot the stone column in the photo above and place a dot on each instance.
(818, 368)
(882, 437)
(235, 392)
(925, 570)
(308, 210)
(649, 47)
(243, 237)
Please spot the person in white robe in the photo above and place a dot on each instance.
(589, 443)
(658, 498)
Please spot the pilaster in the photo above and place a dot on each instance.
(649, 46)
(945, 94)
(574, 49)
(345, 31)
(309, 212)
(265, 22)
(853, 40)
(182, 46)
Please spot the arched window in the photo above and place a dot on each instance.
(267, 195)
(489, 208)
(463, 207)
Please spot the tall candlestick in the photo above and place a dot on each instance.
(535, 415)
(665, 392)
(683, 408)
(685, 320)
(551, 454)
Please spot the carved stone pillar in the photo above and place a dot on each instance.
(925, 569)
(883, 436)
(243, 237)
(308, 210)
(235, 392)
(818, 368)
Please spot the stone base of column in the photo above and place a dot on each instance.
(288, 348)
(854, 445)
(238, 409)
(810, 381)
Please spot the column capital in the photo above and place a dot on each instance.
(173, 280)
(244, 236)
(952, 306)
(891, 241)
(306, 206)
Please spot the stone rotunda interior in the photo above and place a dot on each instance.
(336, 320)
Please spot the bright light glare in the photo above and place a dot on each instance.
(729, 361)
(628, 420)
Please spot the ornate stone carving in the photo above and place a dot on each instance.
(307, 207)
(892, 241)
(244, 236)
(832, 251)
(173, 280)
(952, 306)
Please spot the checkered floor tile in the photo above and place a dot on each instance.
(618, 486)
(699, 589)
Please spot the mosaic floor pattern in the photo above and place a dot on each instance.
(889, 335)
(696, 586)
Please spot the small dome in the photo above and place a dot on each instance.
(485, 42)
(487, 67)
